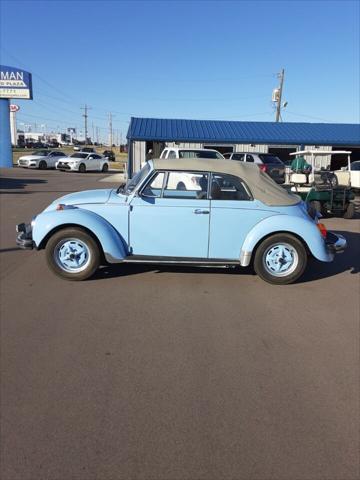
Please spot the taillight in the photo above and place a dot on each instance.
(322, 229)
(262, 168)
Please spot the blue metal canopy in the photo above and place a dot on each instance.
(161, 130)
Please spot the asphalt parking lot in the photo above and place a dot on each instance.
(173, 373)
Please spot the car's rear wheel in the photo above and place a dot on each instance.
(350, 210)
(181, 186)
(317, 206)
(42, 165)
(82, 168)
(105, 167)
(280, 259)
(73, 254)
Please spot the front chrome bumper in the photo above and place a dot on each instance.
(24, 238)
(335, 243)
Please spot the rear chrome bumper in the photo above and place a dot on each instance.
(335, 243)
(24, 238)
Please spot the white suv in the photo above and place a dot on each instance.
(176, 152)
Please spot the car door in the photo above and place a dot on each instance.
(233, 214)
(53, 158)
(92, 162)
(168, 220)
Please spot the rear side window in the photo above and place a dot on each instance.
(270, 159)
(250, 158)
(228, 187)
(238, 156)
(172, 154)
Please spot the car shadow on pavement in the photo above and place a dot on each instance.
(126, 269)
(316, 270)
(9, 183)
(349, 260)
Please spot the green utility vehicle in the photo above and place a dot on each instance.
(320, 187)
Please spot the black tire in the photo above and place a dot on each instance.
(271, 244)
(317, 206)
(350, 211)
(181, 186)
(82, 168)
(42, 165)
(105, 167)
(73, 235)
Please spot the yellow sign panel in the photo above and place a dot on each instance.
(14, 93)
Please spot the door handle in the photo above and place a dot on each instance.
(200, 211)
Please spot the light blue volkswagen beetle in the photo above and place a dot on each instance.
(186, 211)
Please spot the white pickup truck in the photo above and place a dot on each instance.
(176, 152)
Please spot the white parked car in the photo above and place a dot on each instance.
(83, 162)
(41, 159)
(268, 163)
(176, 152)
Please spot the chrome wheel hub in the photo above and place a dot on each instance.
(72, 255)
(280, 259)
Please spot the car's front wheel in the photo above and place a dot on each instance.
(73, 254)
(82, 168)
(105, 167)
(42, 165)
(280, 259)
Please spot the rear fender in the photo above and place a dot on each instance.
(305, 229)
(112, 243)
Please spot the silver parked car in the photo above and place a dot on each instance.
(268, 163)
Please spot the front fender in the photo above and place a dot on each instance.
(112, 243)
(301, 227)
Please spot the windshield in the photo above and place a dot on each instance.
(198, 154)
(40, 153)
(79, 155)
(270, 159)
(136, 180)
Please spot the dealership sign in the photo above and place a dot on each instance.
(14, 108)
(15, 83)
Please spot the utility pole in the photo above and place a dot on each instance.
(85, 115)
(278, 106)
(110, 129)
(97, 134)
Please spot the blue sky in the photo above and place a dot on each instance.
(183, 59)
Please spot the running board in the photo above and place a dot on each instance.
(206, 262)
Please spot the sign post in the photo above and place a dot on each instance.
(14, 83)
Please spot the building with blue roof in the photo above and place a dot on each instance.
(149, 136)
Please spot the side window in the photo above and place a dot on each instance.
(154, 187)
(238, 156)
(186, 185)
(228, 187)
(163, 154)
(249, 158)
(172, 154)
(227, 155)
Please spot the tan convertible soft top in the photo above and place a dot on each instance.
(262, 187)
